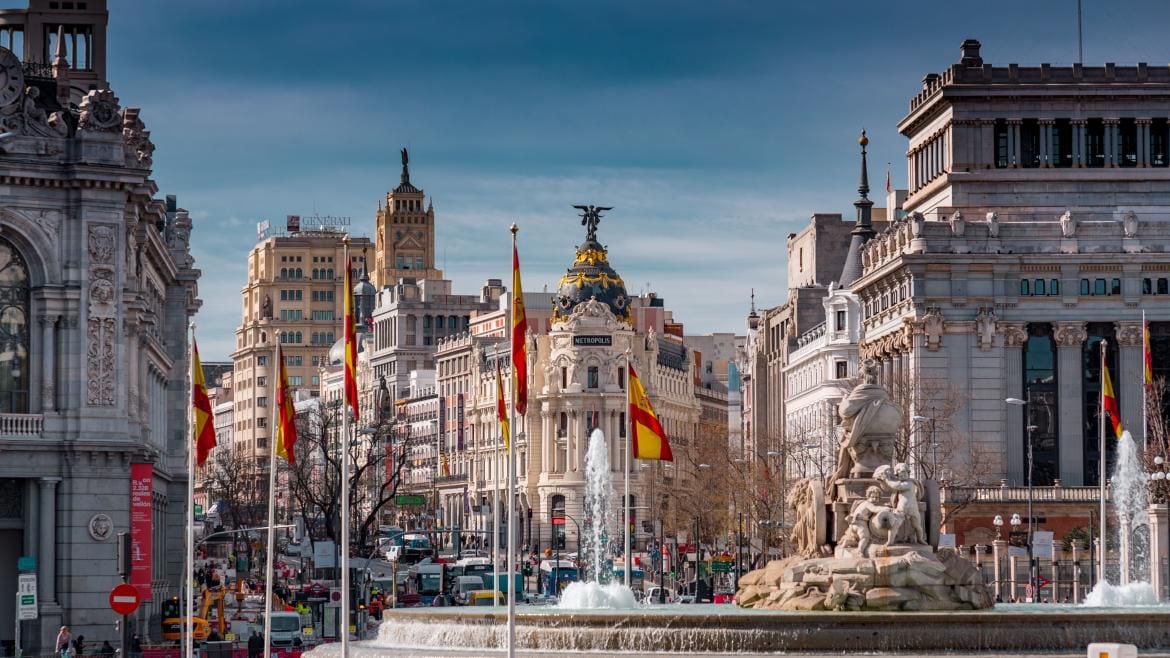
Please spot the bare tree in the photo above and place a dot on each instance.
(241, 494)
(315, 479)
(1157, 439)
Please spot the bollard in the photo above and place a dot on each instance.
(1112, 650)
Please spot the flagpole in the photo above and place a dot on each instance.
(629, 455)
(512, 472)
(496, 504)
(345, 443)
(1145, 384)
(273, 402)
(186, 624)
(1102, 475)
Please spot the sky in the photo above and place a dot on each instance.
(714, 129)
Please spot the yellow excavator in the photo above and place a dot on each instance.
(200, 626)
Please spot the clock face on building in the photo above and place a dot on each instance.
(11, 77)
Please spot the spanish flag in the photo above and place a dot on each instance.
(286, 438)
(1148, 356)
(649, 439)
(1110, 399)
(201, 407)
(351, 392)
(519, 328)
(502, 409)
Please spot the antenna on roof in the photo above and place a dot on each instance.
(1080, 41)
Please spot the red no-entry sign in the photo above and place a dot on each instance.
(124, 599)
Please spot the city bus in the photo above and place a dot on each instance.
(555, 575)
(477, 566)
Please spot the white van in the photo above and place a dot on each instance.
(286, 629)
(464, 586)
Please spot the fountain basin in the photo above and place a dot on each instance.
(722, 629)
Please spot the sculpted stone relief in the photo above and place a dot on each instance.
(993, 225)
(985, 328)
(1068, 224)
(933, 326)
(102, 323)
(100, 112)
(1129, 223)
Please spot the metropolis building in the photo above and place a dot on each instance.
(97, 288)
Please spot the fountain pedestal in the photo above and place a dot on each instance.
(1159, 519)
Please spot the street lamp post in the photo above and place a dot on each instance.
(775, 454)
(933, 445)
(1033, 574)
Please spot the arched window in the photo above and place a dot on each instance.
(1054, 287)
(1025, 287)
(284, 272)
(14, 330)
(1039, 288)
(329, 274)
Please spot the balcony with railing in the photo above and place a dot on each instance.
(14, 425)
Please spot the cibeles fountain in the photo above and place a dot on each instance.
(868, 577)
(867, 539)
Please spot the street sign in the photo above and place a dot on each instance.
(198, 509)
(26, 563)
(1042, 544)
(403, 500)
(124, 599)
(27, 593)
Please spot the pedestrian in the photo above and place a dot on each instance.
(79, 646)
(136, 646)
(255, 645)
(106, 649)
(64, 641)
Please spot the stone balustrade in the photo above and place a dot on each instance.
(21, 424)
(1013, 494)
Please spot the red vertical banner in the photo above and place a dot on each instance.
(141, 527)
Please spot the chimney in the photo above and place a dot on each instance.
(970, 53)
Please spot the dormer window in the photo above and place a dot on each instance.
(840, 321)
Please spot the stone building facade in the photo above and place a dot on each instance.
(293, 296)
(97, 289)
(1037, 229)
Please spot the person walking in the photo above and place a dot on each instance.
(106, 649)
(79, 646)
(64, 642)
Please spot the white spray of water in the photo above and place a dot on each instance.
(598, 488)
(1129, 502)
(597, 592)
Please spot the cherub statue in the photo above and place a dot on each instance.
(907, 493)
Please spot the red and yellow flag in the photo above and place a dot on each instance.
(519, 329)
(201, 407)
(446, 466)
(502, 409)
(649, 439)
(1147, 355)
(1110, 399)
(351, 391)
(286, 437)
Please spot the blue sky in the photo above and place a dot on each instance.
(713, 128)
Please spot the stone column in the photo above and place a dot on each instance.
(48, 357)
(548, 443)
(1112, 143)
(1077, 550)
(1013, 569)
(47, 553)
(1015, 334)
(1078, 142)
(1014, 142)
(999, 556)
(1143, 141)
(1159, 517)
(32, 533)
(1130, 368)
(1046, 143)
(887, 371)
(1070, 338)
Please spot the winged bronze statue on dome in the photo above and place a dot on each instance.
(590, 216)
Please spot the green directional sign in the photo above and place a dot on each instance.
(198, 509)
(28, 599)
(404, 500)
(721, 566)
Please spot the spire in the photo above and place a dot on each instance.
(753, 317)
(863, 231)
(59, 55)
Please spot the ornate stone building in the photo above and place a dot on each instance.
(577, 380)
(97, 288)
(1038, 228)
